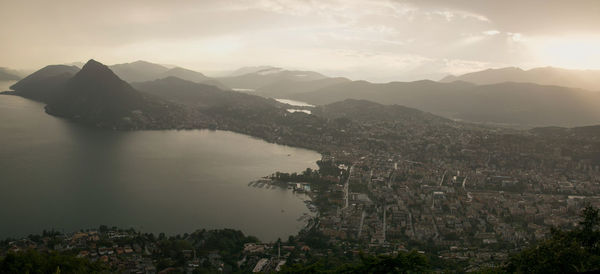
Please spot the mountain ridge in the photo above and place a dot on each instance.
(43, 84)
(261, 78)
(199, 95)
(584, 79)
(514, 104)
(97, 96)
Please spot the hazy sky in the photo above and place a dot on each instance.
(379, 40)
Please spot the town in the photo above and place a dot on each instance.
(463, 195)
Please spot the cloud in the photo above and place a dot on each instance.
(531, 17)
(451, 15)
(515, 36)
(491, 32)
(378, 39)
(569, 51)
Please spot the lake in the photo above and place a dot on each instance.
(294, 103)
(55, 174)
(4, 85)
(292, 110)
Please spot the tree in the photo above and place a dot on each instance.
(564, 251)
(35, 262)
(411, 262)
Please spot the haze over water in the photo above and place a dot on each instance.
(5, 85)
(64, 176)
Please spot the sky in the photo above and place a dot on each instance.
(378, 40)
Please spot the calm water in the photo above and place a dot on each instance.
(5, 84)
(56, 174)
(292, 110)
(294, 103)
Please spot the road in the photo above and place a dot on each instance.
(362, 221)
(347, 187)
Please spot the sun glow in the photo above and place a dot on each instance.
(569, 52)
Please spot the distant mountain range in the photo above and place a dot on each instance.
(141, 71)
(584, 79)
(95, 95)
(508, 100)
(138, 71)
(286, 87)
(261, 78)
(247, 70)
(514, 104)
(200, 95)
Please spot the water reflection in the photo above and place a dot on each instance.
(57, 174)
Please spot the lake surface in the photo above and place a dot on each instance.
(292, 110)
(57, 174)
(4, 85)
(294, 103)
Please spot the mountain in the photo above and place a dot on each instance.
(252, 69)
(367, 111)
(416, 94)
(77, 64)
(489, 76)
(8, 75)
(44, 84)
(269, 76)
(215, 83)
(200, 95)
(514, 104)
(584, 79)
(288, 87)
(586, 132)
(138, 71)
(142, 71)
(95, 95)
(185, 74)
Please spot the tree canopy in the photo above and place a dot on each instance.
(577, 250)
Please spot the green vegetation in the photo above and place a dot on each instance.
(226, 243)
(35, 262)
(403, 262)
(577, 250)
(327, 171)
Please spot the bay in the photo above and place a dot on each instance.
(55, 174)
(294, 103)
(5, 85)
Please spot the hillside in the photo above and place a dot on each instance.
(265, 77)
(513, 104)
(138, 71)
(44, 84)
(367, 111)
(200, 95)
(95, 95)
(185, 74)
(584, 79)
(288, 87)
(587, 132)
(142, 71)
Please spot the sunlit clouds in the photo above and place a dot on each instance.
(579, 52)
(380, 40)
